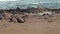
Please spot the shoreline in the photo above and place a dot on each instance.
(30, 10)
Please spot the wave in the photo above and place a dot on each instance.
(15, 4)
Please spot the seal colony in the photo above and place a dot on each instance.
(19, 15)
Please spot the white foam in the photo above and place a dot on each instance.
(8, 0)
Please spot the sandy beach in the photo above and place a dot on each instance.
(33, 25)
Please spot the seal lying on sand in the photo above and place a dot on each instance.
(16, 19)
(1, 17)
(20, 20)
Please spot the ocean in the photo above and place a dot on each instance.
(29, 3)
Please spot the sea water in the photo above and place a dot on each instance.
(7, 4)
